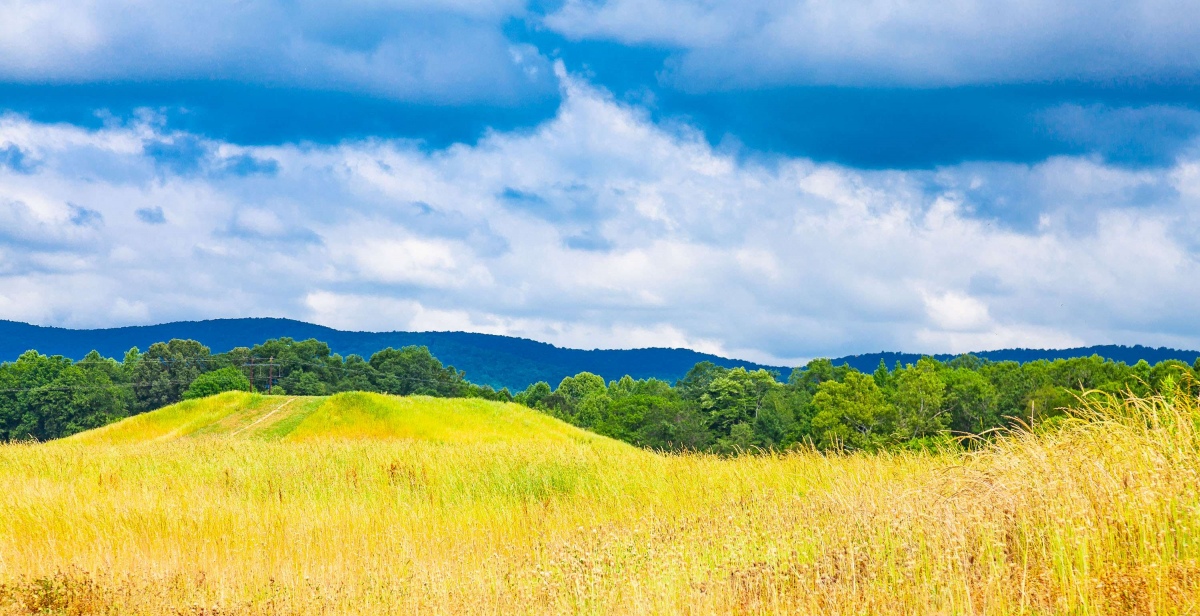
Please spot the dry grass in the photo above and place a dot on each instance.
(1096, 517)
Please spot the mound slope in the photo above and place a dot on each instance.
(355, 415)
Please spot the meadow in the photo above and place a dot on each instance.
(366, 503)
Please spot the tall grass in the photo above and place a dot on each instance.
(1098, 515)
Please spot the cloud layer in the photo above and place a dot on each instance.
(449, 52)
(727, 44)
(877, 84)
(596, 228)
(465, 49)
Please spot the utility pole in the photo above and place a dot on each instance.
(270, 365)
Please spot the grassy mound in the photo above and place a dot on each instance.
(240, 415)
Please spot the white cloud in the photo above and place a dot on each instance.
(409, 50)
(726, 43)
(955, 312)
(461, 51)
(428, 263)
(686, 246)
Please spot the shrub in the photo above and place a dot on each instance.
(217, 381)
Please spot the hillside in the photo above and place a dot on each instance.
(240, 415)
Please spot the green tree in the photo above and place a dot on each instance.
(625, 414)
(966, 361)
(414, 370)
(1167, 369)
(852, 414)
(304, 383)
(75, 401)
(217, 381)
(1141, 378)
(971, 401)
(488, 393)
(1046, 402)
(882, 376)
(735, 397)
(739, 440)
(622, 388)
(814, 373)
(918, 400)
(1013, 383)
(355, 375)
(576, 388)
(283, 361)
(49, 397)
(567, 401)
(671, 425)
(591, 410)
(535, 395)
(775, 424)
(654, 387)
(695, 383)
(165, 371)
(18, 380)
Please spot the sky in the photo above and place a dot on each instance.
(760, 179)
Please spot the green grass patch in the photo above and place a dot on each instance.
(445, 420)
(352, 416)
(188, 418)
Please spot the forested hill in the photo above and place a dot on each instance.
(1127, 354)
(499, 361)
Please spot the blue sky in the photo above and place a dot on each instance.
(771, 180)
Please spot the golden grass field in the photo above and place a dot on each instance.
(363, 503)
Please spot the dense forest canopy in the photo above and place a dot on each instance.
(711, 408)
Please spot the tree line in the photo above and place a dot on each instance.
(830, 407)
(44, 398)
(711, 408)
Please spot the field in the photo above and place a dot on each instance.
(363, 503)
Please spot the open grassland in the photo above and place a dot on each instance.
(369, 504)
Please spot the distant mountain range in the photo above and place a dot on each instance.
(500, 361)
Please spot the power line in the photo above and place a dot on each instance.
(91, 387)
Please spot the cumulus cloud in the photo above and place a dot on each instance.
(727, 43)
(599, 228)
(410, 50)
(1063, 77)
(467, 50)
